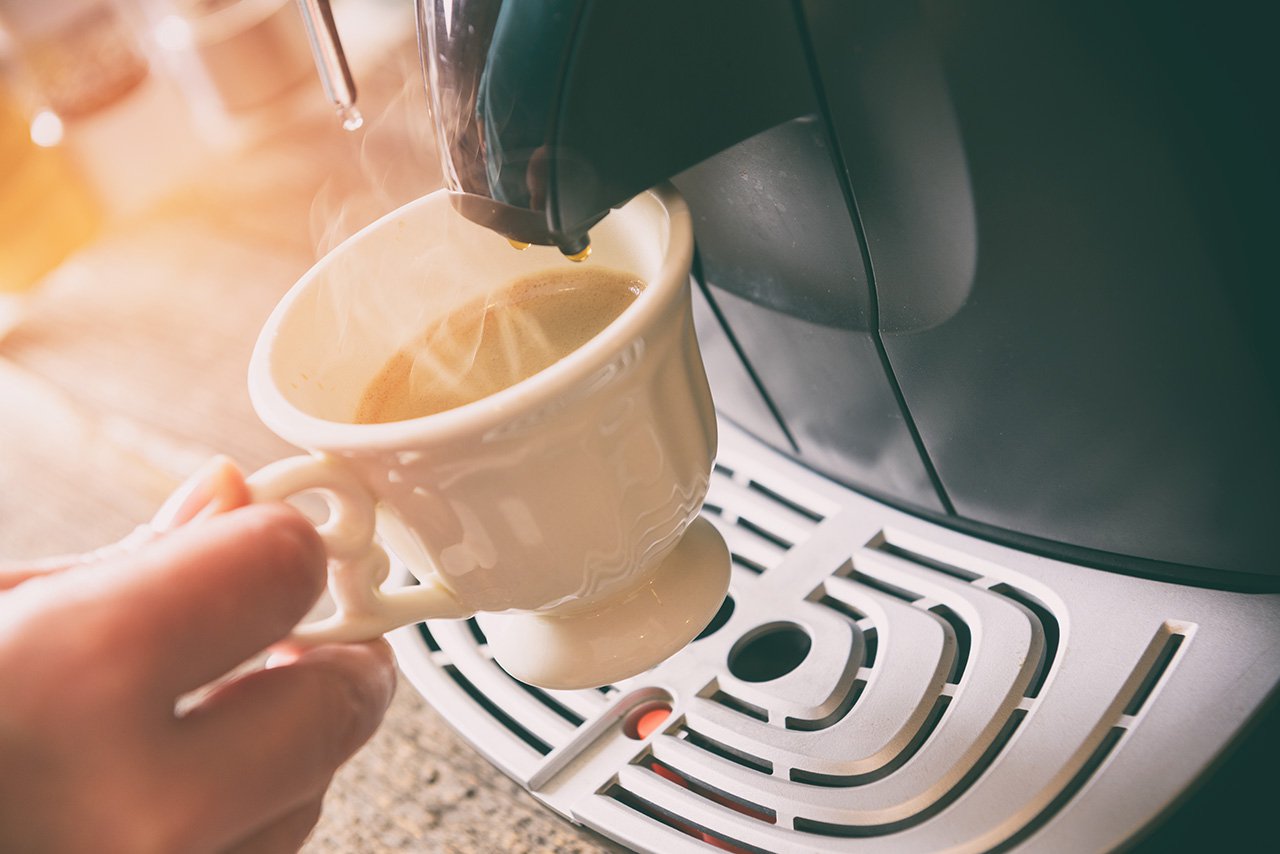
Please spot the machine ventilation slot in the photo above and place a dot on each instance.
(496, 713)
(428, 638)
(1155, 674)
(870, 642)
(1049, 629)
(979, 768)
(680, 823)
(722, 469)
(743, 561)
(1048, 626)
(1077, 782)
(860, 620)
(735, 802)
(804, 724)
(724, 751)
(997, 746)
(960, 631)
(854, 615)
(808, 513)
(882, 544)
(740, 706)
(764, 533)
(541, 696)
(877, 584)
(477, 632)
(842, 781)
(1170, 641)
(761, 521)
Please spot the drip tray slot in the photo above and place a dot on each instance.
(875, 679)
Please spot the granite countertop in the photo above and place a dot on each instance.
(128, 371)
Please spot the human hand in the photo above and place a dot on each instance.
(95, 652)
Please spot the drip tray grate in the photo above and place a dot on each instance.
(876, 682)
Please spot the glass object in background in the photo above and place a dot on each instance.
(124, 127)
(46, 211)
(81, 54)
(235, 60)
(58, 61)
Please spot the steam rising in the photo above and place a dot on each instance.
(396, 161)
(432, 290)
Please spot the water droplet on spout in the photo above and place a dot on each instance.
(352, 120)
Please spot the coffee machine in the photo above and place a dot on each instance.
(985, 297)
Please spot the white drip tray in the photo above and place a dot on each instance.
(879, 683)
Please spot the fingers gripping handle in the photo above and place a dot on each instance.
(357, 564)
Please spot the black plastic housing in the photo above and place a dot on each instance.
(1004, 265)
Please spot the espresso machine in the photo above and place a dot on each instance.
(985, 295)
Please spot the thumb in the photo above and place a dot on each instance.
(183, 609)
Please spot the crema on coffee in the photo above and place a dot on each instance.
(497, 341)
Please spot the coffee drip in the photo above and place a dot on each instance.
(511, 199)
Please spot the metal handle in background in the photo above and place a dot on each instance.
(331, 62)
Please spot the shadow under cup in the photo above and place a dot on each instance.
(553, 497)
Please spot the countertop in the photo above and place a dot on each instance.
(128, 371)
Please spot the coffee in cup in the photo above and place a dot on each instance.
(496, 341)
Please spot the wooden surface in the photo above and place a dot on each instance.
(129, 371)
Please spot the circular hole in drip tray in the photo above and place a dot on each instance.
(773, 651)
(722, 616)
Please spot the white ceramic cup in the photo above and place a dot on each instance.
(563, 508)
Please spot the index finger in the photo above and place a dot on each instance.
(189, 606)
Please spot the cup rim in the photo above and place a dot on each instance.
(479, 417)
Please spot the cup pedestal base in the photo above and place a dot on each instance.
(628, 634)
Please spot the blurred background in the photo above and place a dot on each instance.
(168, 168)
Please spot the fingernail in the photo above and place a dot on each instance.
(198, 495)
(388, 671)
(280, 658)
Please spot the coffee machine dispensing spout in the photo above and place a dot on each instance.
(548, 113)
(493, 70)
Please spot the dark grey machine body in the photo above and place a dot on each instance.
(1041, 305)
(1005, 265)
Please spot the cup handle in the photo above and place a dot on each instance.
(357, 565)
